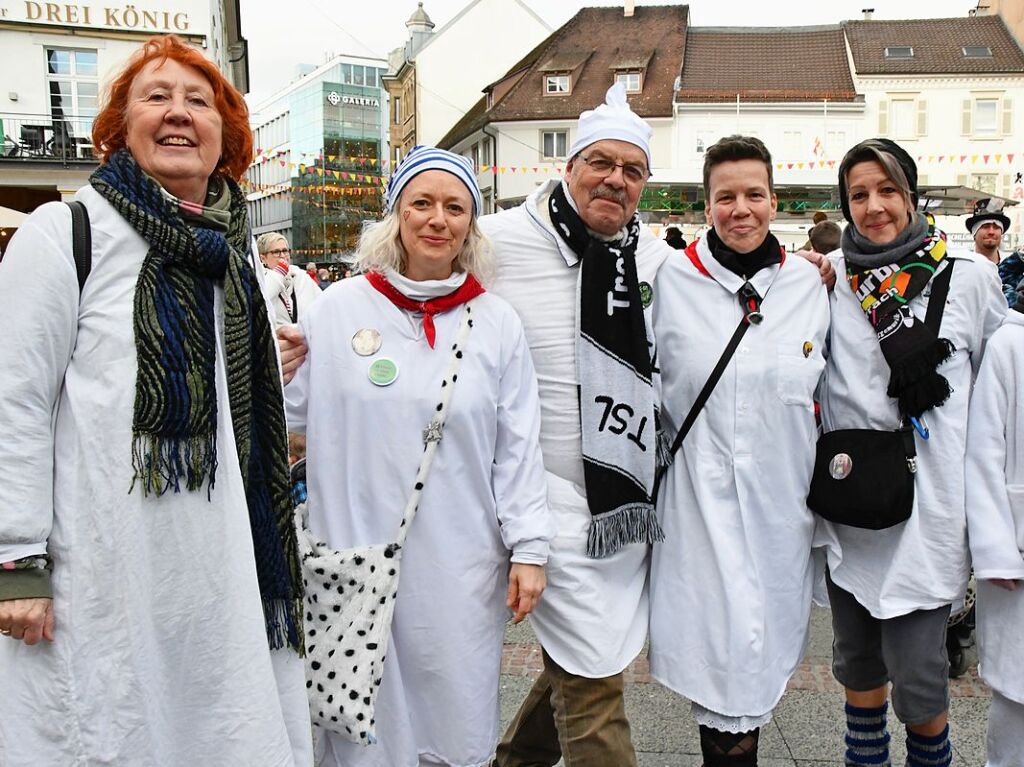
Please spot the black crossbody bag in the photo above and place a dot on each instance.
(865, 477)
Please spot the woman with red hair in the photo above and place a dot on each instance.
(149, 588)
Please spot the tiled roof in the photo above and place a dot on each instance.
(607, 38)
(766, 64)
(938, 46)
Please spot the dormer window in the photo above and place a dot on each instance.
(977, 52)
(899, 52)
(557, 84)
(632, 80)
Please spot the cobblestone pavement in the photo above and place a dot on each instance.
(806, 730)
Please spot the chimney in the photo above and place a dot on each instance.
(869, 13)
(627, 9)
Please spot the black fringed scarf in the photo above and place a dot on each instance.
(174, 426)
(885, 280)
(616, 371)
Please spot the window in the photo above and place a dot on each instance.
(474, 156)
(977, 52)
(899, 52)
(631, 80)
(555, 84)
(902, 113)
(903, 116)
(987, 116)
(485, 153)
(396, 113)
(74, 90)
(986, 112)
(357, 75)
(984, 182)
(835, 145)
(792, 142)
(554, 144)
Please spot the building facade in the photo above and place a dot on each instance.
(321, 156)
(947, 89)
(56, 59)
(437, 76)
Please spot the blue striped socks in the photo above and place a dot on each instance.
(867, 740)
(929, 750)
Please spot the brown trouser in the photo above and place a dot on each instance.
(573, 717)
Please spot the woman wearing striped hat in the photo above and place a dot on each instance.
(379, 346)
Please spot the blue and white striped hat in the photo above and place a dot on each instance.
(421, 158)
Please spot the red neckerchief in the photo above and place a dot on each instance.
(467, 291)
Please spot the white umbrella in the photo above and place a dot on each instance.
(11, 219)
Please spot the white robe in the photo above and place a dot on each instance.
(995, 506)
(731, 583)
(922, 563)
(160, 655)
(592, 620)
(297, 286)
(484, 498)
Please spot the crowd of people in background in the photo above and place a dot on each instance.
(555, 414)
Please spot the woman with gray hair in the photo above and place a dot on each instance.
(889, 476)
(287, 288)
(380, 348)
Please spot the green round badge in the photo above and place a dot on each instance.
(383, 371)
(646, 294)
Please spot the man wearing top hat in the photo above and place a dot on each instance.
(987, 226)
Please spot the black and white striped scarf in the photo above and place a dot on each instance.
(615, 361)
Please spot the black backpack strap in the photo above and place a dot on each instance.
(81, 241)
(702, 398)
(937, 299)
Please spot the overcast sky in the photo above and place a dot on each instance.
(283, 35)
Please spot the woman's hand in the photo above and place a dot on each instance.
(825, 268)
(27, 620)
(293, 348)
(1004, 583)
(525, 585)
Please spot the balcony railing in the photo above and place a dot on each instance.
(44, 138)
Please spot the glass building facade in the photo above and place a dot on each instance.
(336, 139)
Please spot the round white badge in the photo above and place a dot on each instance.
(840, 466)
(383, 371)
(366, 342)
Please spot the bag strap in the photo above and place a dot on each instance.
(937, 299)
(435, 429)
(702, 398)
(81, 241)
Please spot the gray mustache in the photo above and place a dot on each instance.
(609, 193)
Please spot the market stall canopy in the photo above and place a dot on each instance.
(954, 200)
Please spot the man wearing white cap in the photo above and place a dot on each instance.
(987, 226)
(577, 265)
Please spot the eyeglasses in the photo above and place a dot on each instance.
(634, 174)
(279, 252)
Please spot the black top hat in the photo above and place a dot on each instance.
(988, 210)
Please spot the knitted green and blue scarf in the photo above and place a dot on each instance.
(174, 426)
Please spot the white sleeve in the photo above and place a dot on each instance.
(517, 474)
(296, 393)
(306, 292)
(991, 308)
(39, 317)
(990, 521)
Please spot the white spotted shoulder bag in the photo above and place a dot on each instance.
(350, 599)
